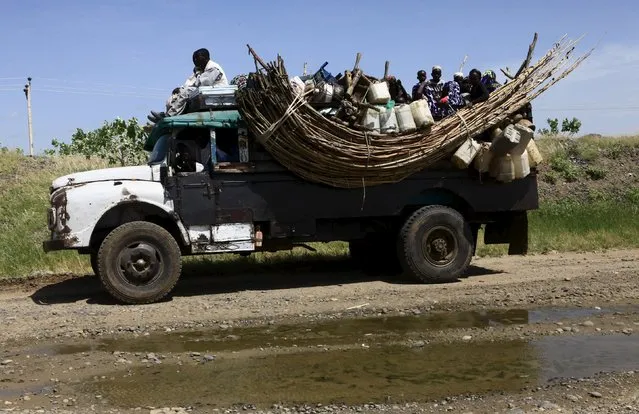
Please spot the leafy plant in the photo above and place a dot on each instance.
(119, 142)
(550, 177)
(562, 165)
(596, 173)
(569, 126)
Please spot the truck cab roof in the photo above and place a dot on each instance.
(226, 118)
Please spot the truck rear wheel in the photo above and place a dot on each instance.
(139, 262)
(435, 244)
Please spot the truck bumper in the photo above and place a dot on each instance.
(53, 245)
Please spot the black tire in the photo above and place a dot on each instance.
(435, 245)
(156, 255)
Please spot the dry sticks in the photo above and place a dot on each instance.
(325, 151)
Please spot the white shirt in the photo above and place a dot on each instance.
(213, 75)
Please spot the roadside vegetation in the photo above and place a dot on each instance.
(589, 190)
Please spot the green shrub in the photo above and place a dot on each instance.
(596, 173)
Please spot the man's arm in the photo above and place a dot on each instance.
(210, 77)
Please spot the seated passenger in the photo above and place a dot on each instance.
(478, 92)
(205, 73)
(420, 86)
(490, 80)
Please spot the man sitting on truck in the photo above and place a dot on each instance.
(205, 73)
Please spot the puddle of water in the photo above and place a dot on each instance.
(378, 374)
(558, 314)
(14, 390)
(347, 376)
(333, 332)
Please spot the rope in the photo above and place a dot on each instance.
(298, 102)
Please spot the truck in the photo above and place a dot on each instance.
(209, 187)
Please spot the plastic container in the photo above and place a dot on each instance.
(421, 113)
(371, 119)
(323, 93)
(387, 120)
(466, 153)
(405, 120)
(502, 168)
(506, 141)
(525, 135)
(483, 158)
(521, 165)
(378, 93)
(297, 85)
(534, 157)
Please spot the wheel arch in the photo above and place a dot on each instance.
(438, 196)
(126, 212)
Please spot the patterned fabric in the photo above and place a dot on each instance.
(455, 99)
(490, 80)
(433, 93)
(240, 80)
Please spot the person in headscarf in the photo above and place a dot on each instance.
(490, 80)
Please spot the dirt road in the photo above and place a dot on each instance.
(517, 335)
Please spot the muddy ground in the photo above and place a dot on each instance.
(548, 333)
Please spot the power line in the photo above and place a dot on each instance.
(99, 93)
(12, 78)
(67, 88)
(102, 84)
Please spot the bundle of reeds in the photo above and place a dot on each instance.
(327, 151)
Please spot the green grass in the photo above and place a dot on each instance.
(24, 196)
(574, 226)
(600, 223)
(587, 148)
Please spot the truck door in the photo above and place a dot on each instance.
(194, 195)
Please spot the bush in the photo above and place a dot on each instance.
(118, 142)
(562, 165)
(595, 173)
(550, 177)
(633, 196)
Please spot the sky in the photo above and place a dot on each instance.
(95, 61)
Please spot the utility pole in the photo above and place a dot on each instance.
(27, 93)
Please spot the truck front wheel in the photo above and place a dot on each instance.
(139, 262)
(435, 244)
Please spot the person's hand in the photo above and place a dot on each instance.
(444, 100)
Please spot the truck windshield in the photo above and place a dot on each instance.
(159, 150)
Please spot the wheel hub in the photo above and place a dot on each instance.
(439, 246)
(140, 263)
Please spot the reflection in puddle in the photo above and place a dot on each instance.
(334, 332)
(378, 374)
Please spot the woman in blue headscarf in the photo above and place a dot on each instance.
(490, 81)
